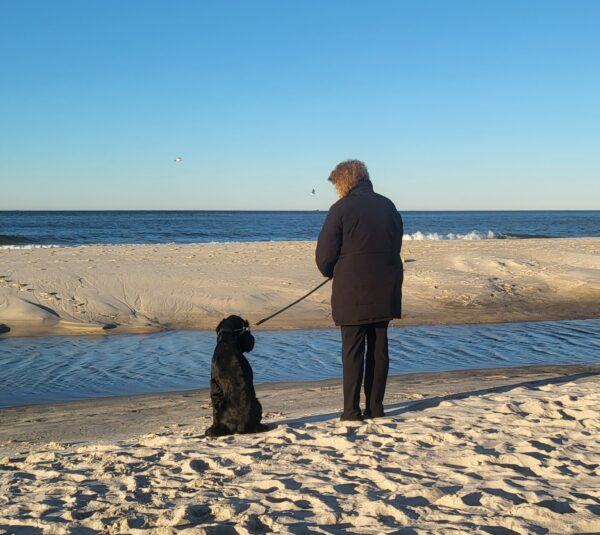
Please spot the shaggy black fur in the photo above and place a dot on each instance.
(235, 407)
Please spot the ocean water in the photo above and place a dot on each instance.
(34, 229)
(38, 370)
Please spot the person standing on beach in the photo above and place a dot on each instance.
(359, 246)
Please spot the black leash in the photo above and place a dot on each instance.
(292, 304)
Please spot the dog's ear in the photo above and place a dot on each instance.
(220, 325)
(246, 342)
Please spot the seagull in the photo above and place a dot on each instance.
(313, 192)
(177, 159)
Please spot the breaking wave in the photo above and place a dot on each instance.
(473, 235)
(20, 242)
(6, 239)
(30, 246)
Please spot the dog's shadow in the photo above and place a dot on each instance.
(415, 406)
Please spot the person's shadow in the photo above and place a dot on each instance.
(416, 406)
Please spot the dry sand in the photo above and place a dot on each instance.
(492, 451)
(149, 287)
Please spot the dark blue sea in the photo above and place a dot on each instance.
(33, 229)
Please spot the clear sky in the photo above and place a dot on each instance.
(452, 104)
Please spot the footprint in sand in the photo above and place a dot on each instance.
(76, 303)
(50, 295)
(542, 446)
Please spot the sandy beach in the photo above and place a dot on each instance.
(500, 451)
(82, 290)
(491, 451)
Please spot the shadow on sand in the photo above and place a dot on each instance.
(429, 403)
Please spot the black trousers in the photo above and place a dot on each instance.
(375, 369)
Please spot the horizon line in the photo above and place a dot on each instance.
(284, 210)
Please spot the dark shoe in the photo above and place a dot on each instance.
(352, 418)
(367, 415)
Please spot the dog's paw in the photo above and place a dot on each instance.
(261, 428)
(217, 431)
(211, 432)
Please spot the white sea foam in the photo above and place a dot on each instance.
(415, 236)
(30, 246)
(473, 235)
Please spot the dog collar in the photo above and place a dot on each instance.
(239, 331)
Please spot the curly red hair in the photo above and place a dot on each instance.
(347, 175)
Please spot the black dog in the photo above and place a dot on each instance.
(235, 407)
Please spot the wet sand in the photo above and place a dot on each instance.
(119, 417)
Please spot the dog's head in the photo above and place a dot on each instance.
(238, 327)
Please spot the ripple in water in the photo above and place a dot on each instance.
(41, 370)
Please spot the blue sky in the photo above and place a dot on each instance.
(452, 104)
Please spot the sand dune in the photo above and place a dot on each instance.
(509, 459)
(150, 287)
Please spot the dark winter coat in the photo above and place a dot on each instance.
(359, 246)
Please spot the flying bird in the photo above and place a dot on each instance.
(177, 159)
